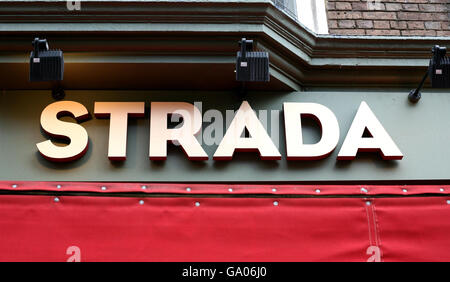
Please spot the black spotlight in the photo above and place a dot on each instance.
(45, 64)
(250, 65)
(438, 70)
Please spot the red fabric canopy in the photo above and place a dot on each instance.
(246, 228)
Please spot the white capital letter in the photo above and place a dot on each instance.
(259, 141)
(184, 135)
(295, 148)
(67, 130)
(118, 113)
(379, 142)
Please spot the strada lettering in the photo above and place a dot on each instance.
(245, 119)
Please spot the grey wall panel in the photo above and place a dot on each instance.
(421, 131)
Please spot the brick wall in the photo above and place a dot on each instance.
(389, 17)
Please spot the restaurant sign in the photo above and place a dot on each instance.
(366, 133)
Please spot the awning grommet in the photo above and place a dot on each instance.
(144, 187)
(442, 189)
(275, 203)
(58, 186)
(364, 190)
(368, 203)
(404, 190)
(14, 186)
(141, 202)
(188, 189)
(56, 200)
(230, 190)
(103, 188)
(274, 189)
(317, 191)
(197, 204)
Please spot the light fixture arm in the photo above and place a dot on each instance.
(415, 95)
(438, 70)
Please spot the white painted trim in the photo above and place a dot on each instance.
(313, 14)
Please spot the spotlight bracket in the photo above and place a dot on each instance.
(438, 70)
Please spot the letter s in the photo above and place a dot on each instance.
(54, 127)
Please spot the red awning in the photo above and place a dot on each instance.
(326, 227)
